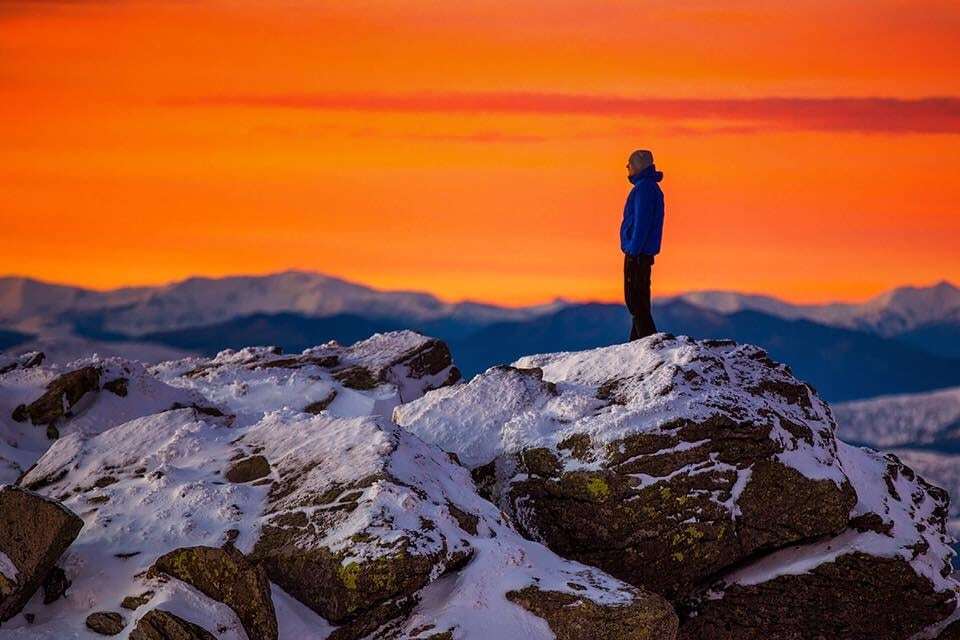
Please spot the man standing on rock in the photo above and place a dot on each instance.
(640, 235)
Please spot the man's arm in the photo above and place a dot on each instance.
(643, 216)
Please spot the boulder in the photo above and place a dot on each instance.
(34, 533)
(158, 485)
(365, 517)
(855, 597)
(369, 377)
(662, 463)
(27, 360)
(225, 575)
(322, 537)
(248, 469)
(671, 462)
(157, 624)
(135, 602)
(885, 577)
(106, 623)
(574, 618)
(62, 394)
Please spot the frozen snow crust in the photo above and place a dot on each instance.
(284, 473)
(706, 472)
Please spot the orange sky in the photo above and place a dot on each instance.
(476, 149)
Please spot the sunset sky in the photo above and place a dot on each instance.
(476, 149)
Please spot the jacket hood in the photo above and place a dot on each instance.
(650, 173)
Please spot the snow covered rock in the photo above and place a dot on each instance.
(228, 577)
(363, 515)
(674, 464)
(368, 378)
(886, 576)
(60, 397)
(40, 403)
(662, 463)
(158, 624)
(24, 361)
(34, 533)
(575, 618)
(360, 526)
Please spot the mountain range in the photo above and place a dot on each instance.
(903, 341)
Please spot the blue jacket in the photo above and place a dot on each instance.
(642, 227)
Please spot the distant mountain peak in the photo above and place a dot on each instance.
(890, 313)
(31, 304)
(38, 306)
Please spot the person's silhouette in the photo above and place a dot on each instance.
(640, 235)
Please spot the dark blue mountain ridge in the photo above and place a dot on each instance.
(11, 339)
(942, 338)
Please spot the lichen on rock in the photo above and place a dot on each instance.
(671, 462)
(227, 576)
(158, 624)
(574, 618)
(34, 533)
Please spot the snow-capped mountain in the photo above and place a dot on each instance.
(889, 314)
(920, 419)
(33, 306)
(36, 307)
(295, 310)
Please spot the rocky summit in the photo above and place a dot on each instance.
(663, 489)
(707, 473)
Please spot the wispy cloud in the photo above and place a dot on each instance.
(872, 114)
(15, 7)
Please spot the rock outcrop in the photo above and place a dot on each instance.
(226, 576)
(886, 576)
(370, 377)
(39, 403)
(360, 527)
(106, 623)
(365, 516)
(62, 395)
(248, 469)
(158, 624)
(673, 463)
(573, 618)
(34, 533)
(24, 361)
(663, 489)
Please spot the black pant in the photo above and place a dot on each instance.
(636, 291)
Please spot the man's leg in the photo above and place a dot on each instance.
(636, 289)
(647, 326)
(633, 295)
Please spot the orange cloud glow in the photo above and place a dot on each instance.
(476, 150)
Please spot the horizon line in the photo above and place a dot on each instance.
(555, 300)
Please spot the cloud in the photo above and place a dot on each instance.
(871, 114)
(19, 7)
